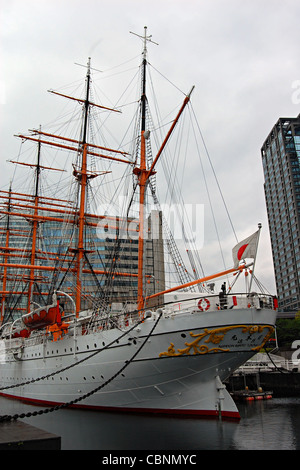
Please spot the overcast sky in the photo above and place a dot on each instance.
(242, 56)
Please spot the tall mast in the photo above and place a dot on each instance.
(141, 173)
(34, 227)
(142, 183)
(83, 183)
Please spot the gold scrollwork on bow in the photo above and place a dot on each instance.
(215, 336)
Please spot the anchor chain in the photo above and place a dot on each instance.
(92, 392)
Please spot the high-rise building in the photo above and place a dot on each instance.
(281, 165)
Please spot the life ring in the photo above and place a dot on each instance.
(206, 306)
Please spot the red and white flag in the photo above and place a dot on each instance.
(245, 249)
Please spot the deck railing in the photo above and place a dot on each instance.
(213, 302)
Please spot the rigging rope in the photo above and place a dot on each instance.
(214, 173)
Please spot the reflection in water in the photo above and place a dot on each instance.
(271, 424)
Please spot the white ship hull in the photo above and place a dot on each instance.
(178, 370)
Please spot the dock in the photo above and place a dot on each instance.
(17, 435)
(266, 372)
(251, 395)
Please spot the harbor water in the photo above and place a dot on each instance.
(264, 425)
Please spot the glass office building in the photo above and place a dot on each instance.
(281, 165)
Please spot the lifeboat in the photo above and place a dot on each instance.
(25, 333)
(42, 317)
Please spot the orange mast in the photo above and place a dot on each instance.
(82, 177)
(143, 174)
(80, 247)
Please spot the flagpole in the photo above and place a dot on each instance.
(251, 279)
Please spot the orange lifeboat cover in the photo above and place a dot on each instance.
(41, 318)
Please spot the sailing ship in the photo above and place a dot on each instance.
(87, 317)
